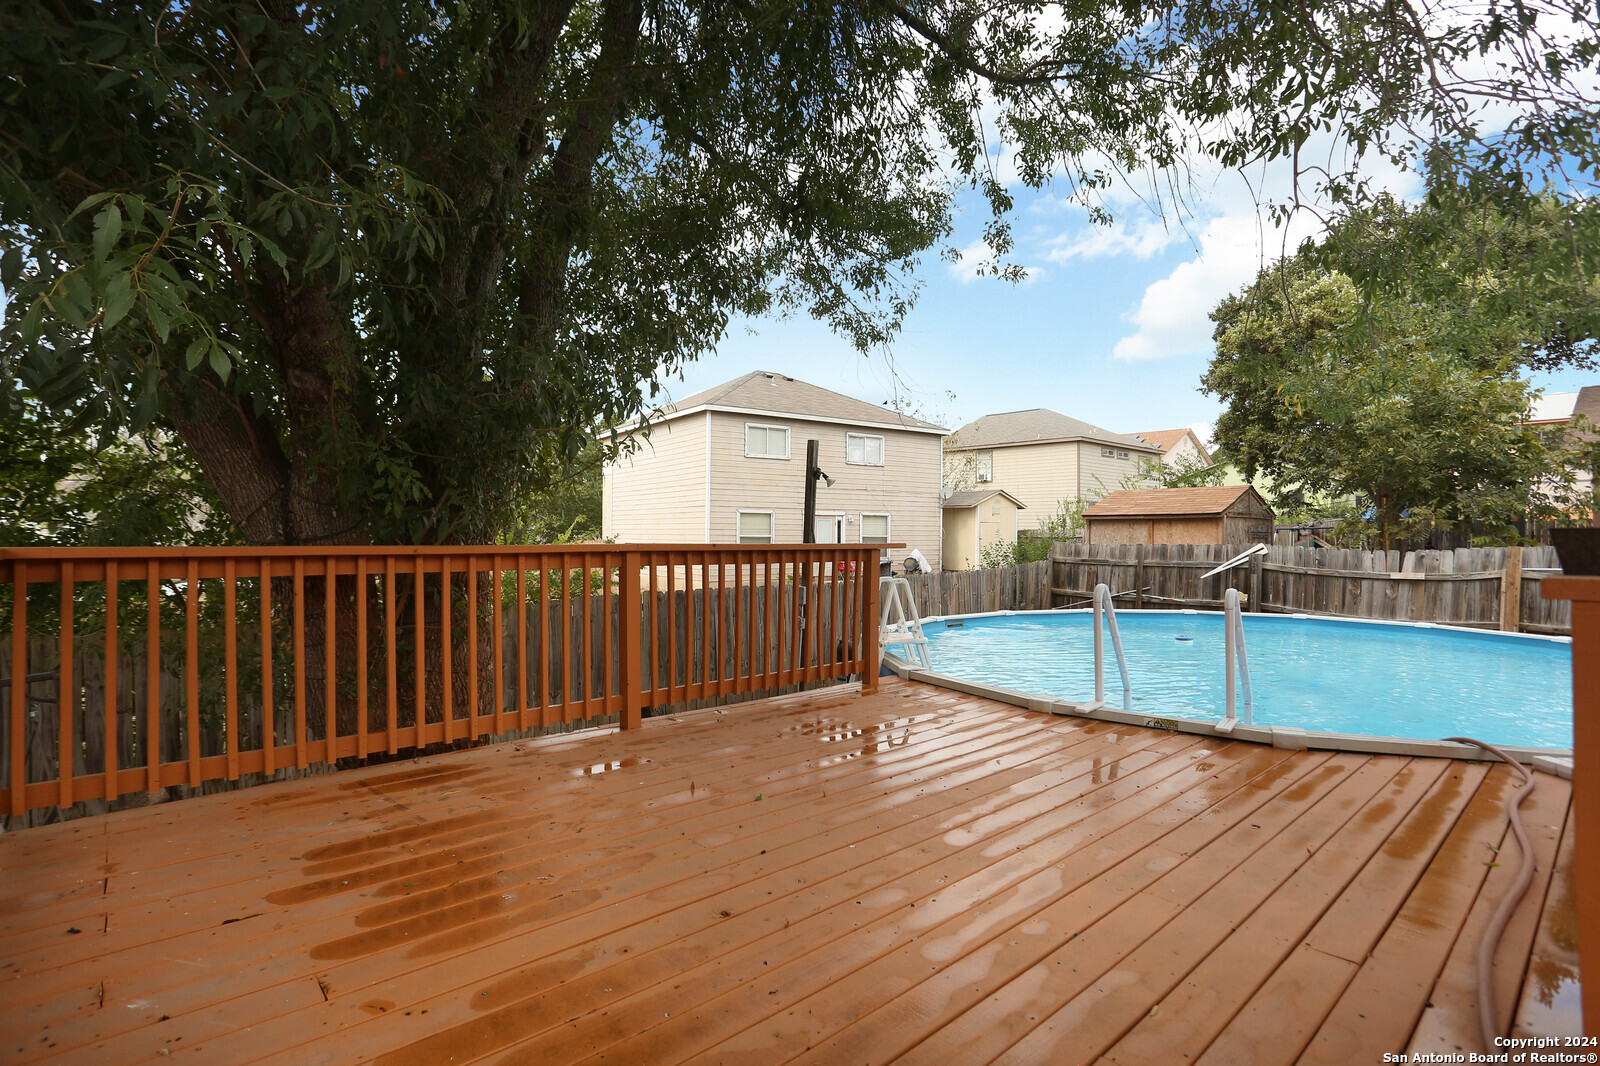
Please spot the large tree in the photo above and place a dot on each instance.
(1412, 405)
(385, 266)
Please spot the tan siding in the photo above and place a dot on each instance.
(1039, 475)
(906, 487)
(1105, 474)
(658, 493)
(1042, 476)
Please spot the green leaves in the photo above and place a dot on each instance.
(107, 228)
(1400, 401)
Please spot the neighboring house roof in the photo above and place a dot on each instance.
(973, 497)
(1035, 426)
(1150, 503)
(763, 392)
(1554, 407)
(1167, 439)
(1588, 403)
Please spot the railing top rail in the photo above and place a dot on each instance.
(347, 550)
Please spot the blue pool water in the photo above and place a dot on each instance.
(1317, 674)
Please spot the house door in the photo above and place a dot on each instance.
(829, 528)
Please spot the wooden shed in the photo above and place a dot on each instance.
(1229, 514)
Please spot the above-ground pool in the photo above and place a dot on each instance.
(1312, 673)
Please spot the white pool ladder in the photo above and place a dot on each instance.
(1103, 606)
(1236, 662)
(898, 622)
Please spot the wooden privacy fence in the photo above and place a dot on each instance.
(129, 670)
(1025, 587)
(1464, 587)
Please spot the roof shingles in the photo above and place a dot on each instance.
(763, 390)
(1036, 425)
(1141, 503)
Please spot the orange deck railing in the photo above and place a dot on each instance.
(134, 669)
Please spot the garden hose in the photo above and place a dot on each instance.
(1502, 914)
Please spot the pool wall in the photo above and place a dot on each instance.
(1551, 760)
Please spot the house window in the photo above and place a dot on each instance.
(983, 466)
(874, 529)
(1122, 455)
(755, 527)
(766, 442)
(863, 450)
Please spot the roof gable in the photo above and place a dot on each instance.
(974, 497)
(1167, 439)
(768, 392)
(1037, 425)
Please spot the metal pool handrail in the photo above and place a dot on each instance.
(1233, 652)
(1103, 605)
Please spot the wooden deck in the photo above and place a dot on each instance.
(916, 875)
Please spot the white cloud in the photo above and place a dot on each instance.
(1143, 240)
(1172, 319)
(975, 255)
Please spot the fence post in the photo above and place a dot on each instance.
(1511, 591)
(1254, 603)
(629, 637)
(1138, 576)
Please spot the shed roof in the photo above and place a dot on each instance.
(973, 497)
(1036, 425)
(1143, 503)
(764, 391)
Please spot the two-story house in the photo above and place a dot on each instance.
(1044, 458)
(728, 465)
(1180, 448)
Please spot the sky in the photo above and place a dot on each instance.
(1110, 326)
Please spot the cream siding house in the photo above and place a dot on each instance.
(727, 465)
(1043, 459)
(1179, 447)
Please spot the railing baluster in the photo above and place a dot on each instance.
(566, 638)
(653, 633)
(587, 640)
(419, 615)
(606, 607)
(392, 675)
(672, 627)
(299, 615)
(330, 659)
(705, 624)
(361, 656)
(66, 690)
(19, 690)
(632, 662)
(523, 687)
(473, 706)
(230, 664)
(112, 792)
(269, 726)
(191, 669)
(542, 678)
(499, 648)
(446, 665)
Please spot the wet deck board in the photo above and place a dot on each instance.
(916, 875)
